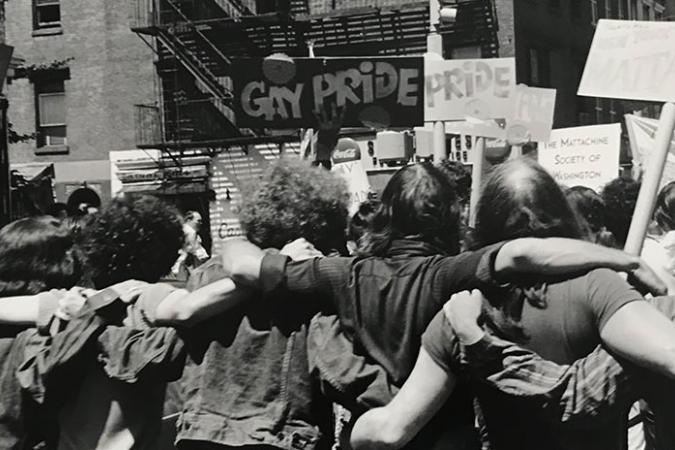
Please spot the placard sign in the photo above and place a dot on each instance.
(585, 156)
(461, 88)
(642, 131)
(286, 93)
(533, 113)
(631, 60)
(347, 163)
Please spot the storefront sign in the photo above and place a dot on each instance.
(286, 93)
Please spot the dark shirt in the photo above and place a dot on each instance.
(385, 304)
(565, 329)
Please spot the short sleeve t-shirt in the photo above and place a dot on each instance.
(567, 328)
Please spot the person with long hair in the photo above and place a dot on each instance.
(386, 298)
(560, 318)
(36, 255)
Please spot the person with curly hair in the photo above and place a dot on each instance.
(119, 353)
(591, 210)
(386, 298)
(247, 380)
(620, 196)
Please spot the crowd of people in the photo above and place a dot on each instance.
(399, 327)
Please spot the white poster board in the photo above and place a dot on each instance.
(347, 163)
(461, 88)
(631, 60)
(585, 156)
(533, 113)
(642, 131)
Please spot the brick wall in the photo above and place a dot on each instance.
(111, 70)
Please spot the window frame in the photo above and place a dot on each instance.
(37, 4)
(43, 139)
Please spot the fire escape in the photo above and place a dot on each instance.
(196, 40)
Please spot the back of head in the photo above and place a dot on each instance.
(294, 200)
(460, 176)
(418, 202)
(36, 254)
(620, 196)
(664, 213)
(590, 209)
(520, 199)
(131, 239)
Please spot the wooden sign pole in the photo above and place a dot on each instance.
(478, 157)
(650, 184)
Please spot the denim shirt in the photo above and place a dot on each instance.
(247, 380)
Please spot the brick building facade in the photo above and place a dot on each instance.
(84, 70)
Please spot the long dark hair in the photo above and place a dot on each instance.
(36, 254)
(520, 199)
(664, 213)
(418, 202)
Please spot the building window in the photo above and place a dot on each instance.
(51, 113)
(46, 14)
(594, 12)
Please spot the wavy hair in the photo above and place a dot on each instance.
(36, 254)
(664, 212)
(294, 200)
(130, 239)
(620, 196)
(520, 199)
(590, 209)
(418, 202)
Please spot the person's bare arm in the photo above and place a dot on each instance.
(642, 335)
(554, 256)
(420, 398)
(20, 310)
(185, 308)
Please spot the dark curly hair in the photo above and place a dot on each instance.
(620, 196)
(36, 254)
(420, 202)
(590, 209)
(520, 199)
(294, 200)
(664, 212)
(131, 238)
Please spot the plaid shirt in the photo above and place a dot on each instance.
(589, 390)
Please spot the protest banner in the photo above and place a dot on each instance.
(642, 132)
(347, 163)
(480, 88)
(585, 156)
(286, 93)
(633, 60)
(532, 114)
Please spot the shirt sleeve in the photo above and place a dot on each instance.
(589, 390)
(143, 313)
(440, 343)
(607, 293)
(468, 270)
(326, 278)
